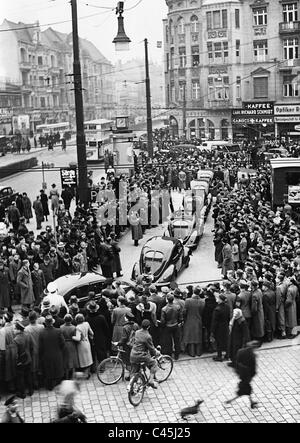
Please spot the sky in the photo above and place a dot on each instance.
(97, 22)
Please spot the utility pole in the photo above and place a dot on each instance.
(83, 190)
(148, 100)
(184, 112)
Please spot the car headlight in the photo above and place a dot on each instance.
(167, 274)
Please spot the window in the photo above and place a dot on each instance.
(290, 88)
(238, 87)
(237, 48)
(167, 34)
(43, 102)
(217, 19)
(217, 52)
(172, 93)
(195, 90)
(181, 27)
(181, 91)
(290, 12)
(260, 50)
(172, 58)
(218, 88)
(195, 56)
(168, 62)
(237, 18)
(41, 81)
(182, 57)
(290, 48)
(260, 85)
(194, 24)
(260, 16)
(40, 60)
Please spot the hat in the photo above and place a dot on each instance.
(170, 297)
(46, 302)
(19, 325)
(49, 320)
(24, 312)
(92, 306)
(53, 310)
(177, 293)
(10, 400)
(52, 287)
(66, 255)
(152, 288)
(61, 244)
(73, 299)
(165, 290)
(139, 288)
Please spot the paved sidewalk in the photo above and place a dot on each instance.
(276, 387)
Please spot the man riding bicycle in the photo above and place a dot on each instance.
(143, 351)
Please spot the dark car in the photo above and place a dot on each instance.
(165, 256)
(7, 195)
(80, 284)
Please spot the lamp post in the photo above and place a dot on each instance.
(148, 101)
(83, 190)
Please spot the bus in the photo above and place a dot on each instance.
(53, 128)
(97, 138)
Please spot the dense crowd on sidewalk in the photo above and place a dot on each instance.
(257, 248)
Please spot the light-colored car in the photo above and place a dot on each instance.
(186, 226)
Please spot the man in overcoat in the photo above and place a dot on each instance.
(24, 281)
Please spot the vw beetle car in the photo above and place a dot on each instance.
(165, 256)
(81, 283)
(186, 226)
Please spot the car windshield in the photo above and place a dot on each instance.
(180, 230)
(153, 260)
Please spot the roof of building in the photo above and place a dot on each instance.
(25, 33)
(214, 2)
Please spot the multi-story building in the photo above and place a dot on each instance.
(231, 67)
(42, 63)
(10, 101)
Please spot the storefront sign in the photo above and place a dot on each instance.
(287, 109)
(266, 108)
(287, 119)
(294, 194)
(251, 120)
(68, 177)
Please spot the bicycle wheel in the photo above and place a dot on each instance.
(110, 370)
(164, 368)
(136, 389)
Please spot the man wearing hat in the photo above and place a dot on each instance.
(127, 339)
(11, 415)
(24, 281)
(101, 332)
(25, 348)
(57, 300)
(171, 319)
(143, 351)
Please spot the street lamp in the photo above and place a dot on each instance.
(121, 40)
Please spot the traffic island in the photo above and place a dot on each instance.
(15, 167)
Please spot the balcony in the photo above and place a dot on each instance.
(219, 104)
(289, 27)
(25, 66)
(289, 64)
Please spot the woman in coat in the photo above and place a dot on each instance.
(239, 335)
(192, 329)
(220, 326)
(27, 207)
(291, 308)
(258, 322)
(24, 281)
(39, 213)
(71, 361)
(269, 306)
(45, 206)
(82, 336)
(118, 318)
(51, 348)
(5, 301)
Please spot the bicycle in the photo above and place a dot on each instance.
(139, 382)
(112, 369)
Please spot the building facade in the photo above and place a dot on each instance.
(41, 64)
(231, 68)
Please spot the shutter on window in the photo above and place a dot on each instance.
(260, 87)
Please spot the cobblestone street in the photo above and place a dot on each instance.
(276, 387)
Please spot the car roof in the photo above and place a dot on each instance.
(70, 281)
(161, 244)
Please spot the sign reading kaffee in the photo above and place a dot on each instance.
(286, 109)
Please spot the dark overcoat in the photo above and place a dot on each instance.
(192, 314)
(52, 346)
(220, 325)
(4, 288)
(239, 336)
(100, 329)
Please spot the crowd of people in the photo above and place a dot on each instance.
(258, 250)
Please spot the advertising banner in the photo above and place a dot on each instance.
(68, 177)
